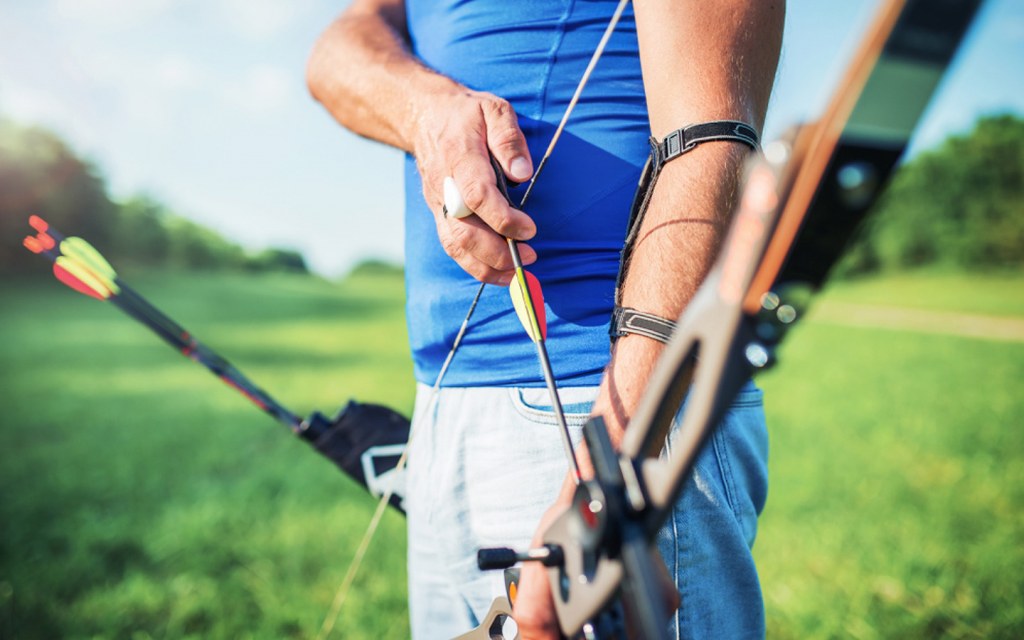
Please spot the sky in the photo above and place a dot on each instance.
(203, 105)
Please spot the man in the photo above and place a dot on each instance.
(453, 83)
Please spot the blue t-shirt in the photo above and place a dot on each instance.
(533, 53)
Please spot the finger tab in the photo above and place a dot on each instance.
(454, 205)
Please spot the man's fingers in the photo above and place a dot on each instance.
(533, 611)
(479, 251)
(506, 140)
(483, 198)
(474, 182)
(471, 237)
(457, 165)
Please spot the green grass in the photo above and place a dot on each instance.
(141, 498)
(897, 474)
(997, 294)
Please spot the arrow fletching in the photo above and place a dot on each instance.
(86, 255)
(79, 278)
(528, 301)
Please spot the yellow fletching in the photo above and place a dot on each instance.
(85, 275)
(524, 288)
(90, 259)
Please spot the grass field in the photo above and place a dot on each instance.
(140, 498)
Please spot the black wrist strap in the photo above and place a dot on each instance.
(626, 321)
(682, 140)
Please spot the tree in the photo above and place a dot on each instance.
(142, 236)
(195, 247)
(960, 204)
(40, 175)
(274, 259)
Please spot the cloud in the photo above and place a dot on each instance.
(262, 19)
(263, 89)
(110, 14)
(32, 105)
(176, 72)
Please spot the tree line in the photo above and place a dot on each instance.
(959, 205)
(40, 174)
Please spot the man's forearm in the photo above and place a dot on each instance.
(363, 73)
(701, 62)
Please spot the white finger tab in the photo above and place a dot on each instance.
(454, 205)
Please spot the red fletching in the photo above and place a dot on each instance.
(531, 315)
(537, 295)
(73, 282)
(38, 224)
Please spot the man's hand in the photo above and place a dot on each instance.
(364, 74)
(534, 611)
(455, 135)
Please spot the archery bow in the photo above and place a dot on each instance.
(820, 186)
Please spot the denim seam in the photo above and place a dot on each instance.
(675, 568)
(725, 469)
(682, 618)
(748, 399)
(540, 415)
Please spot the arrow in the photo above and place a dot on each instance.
(528, 302)
(81, 267)
(532, 319)
(357, 436)
(79, 278)
(530, 314)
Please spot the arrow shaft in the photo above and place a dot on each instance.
(533, 327)
(556, 405)
(173, 334)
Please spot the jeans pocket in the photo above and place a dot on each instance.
(534, 404)
(740, 446)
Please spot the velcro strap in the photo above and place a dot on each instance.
(682, 140)
(626, 321)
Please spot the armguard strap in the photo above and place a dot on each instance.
(682, 140)
(626, 321)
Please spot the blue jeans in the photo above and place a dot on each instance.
(488, 462)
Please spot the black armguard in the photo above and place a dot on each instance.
(675, 144)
